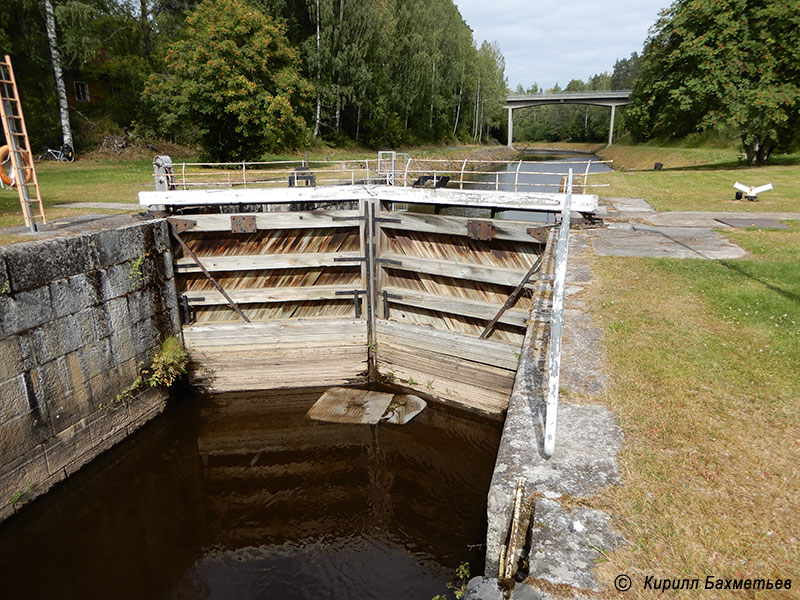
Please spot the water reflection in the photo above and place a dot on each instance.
(242, 497)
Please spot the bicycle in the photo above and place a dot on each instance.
(64, 154)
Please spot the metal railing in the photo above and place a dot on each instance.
(266, 174)
(398, 170)
(497, 175)
(557, 323)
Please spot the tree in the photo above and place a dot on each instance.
(626, 71)
(235, 79)
(50, 22)
(709, 64)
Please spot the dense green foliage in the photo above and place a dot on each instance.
(575, 123)
(381, 72)
(235, 79)
(710, 64)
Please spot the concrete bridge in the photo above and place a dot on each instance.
(612, 98)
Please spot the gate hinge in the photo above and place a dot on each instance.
(181, 225)
(480, 230)
(243, 224)
(539, 233)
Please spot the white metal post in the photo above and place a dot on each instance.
(557, 323)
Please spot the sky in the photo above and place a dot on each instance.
(549, 41)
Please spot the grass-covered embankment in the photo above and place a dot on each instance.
(698, 179)
(703, 359)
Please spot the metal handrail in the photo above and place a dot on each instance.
(193, 175)
(556, 324)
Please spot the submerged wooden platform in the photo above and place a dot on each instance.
(348, 405)
(337, 297)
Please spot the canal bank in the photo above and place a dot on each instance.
(80, 314)
(413, 339)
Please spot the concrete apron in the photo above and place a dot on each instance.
(564, 541)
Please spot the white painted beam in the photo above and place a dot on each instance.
(534, 201)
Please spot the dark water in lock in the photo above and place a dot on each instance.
(241, 497)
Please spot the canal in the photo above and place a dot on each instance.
(241, 496)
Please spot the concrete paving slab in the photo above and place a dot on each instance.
(753, 223)
(664, 242)
(567, 543)
(583, 364)
(710, 219)
(587, 441)
(636, 205)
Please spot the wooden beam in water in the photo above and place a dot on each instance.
(349, 405)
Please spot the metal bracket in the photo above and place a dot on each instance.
(348, 259)
(187, 313)
(181, 225)
(539, 233)
(386, 297)
(243, 224)
(480, 230)
(387, 220)
(355, 294)
(358, 218)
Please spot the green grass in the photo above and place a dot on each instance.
(699, 179)
(703, 361)
(82, 181)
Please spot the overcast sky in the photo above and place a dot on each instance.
(549, 41)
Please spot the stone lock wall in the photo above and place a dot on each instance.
(77, 315)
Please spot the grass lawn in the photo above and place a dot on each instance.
(698, 179)
(81, 181)
(119, 181)
(703, 361)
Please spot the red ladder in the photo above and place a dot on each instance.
(19, 147)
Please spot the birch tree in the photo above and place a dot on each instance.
(55, 56)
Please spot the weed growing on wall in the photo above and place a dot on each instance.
(136, 274)
(167, 366)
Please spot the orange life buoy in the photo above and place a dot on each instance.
(9, 179)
